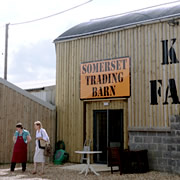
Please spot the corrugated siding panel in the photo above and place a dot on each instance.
(146, 60)
(40, 95)
(69, 107)
(46, 94)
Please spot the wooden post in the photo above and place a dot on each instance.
(84, 122)
(6, 52)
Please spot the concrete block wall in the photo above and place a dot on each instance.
(163, 147)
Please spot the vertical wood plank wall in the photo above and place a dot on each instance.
(143, 45)
(14, 108)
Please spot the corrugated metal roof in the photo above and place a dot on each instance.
(170, 10)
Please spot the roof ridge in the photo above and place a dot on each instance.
(134, 11)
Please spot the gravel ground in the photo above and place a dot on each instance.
(55, 172)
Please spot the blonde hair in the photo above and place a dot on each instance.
(19, 125)
(38, 123)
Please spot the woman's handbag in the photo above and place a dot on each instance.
(48, 150)
(42, 144)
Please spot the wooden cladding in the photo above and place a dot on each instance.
(155, 83)
(17, 107)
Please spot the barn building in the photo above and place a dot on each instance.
(46, 93)
(118, 84)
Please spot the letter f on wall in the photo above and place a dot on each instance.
(155, 91)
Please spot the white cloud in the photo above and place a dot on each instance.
(33, 62)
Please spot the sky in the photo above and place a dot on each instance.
(31, 51)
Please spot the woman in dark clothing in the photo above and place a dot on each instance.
(21, 138)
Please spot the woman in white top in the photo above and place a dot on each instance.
(39, 153)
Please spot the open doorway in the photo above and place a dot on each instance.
(108, 132)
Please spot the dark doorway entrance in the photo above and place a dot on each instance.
(108, 132)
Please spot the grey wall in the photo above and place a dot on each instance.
(46, 93)
(163, 147)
